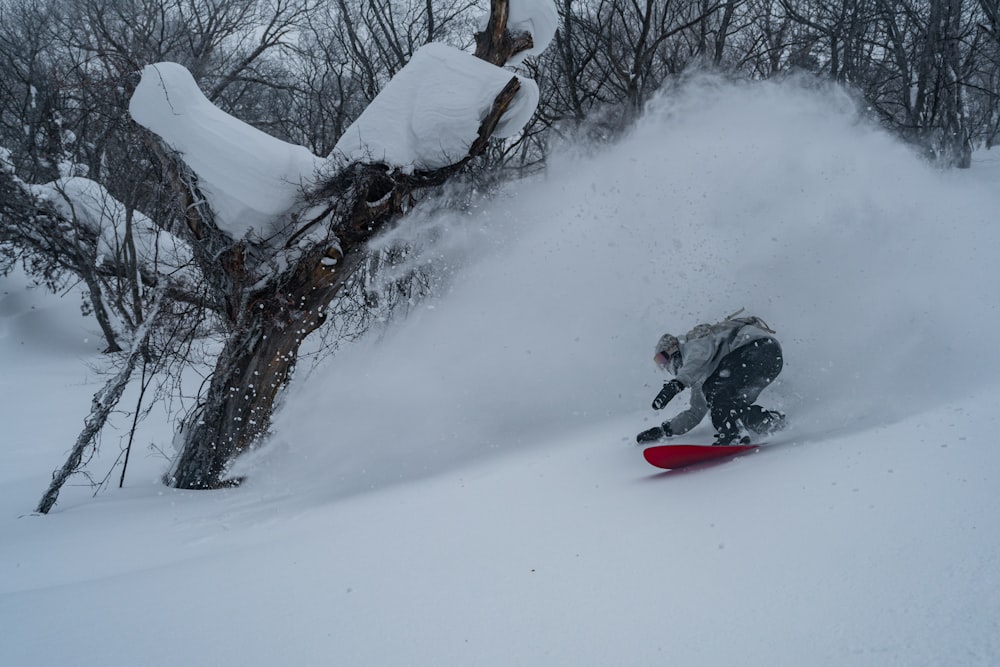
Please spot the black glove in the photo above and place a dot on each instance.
(670, 389)
(650, 435)
(654, 434)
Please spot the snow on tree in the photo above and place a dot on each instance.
(428, 115)
(89, 203)
(74, 225)
(249, 178)
(529, 19)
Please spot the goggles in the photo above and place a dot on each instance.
(663, 360)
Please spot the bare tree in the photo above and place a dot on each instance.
(52, 246)
(838, 34)
(611, 56)
(921, 87)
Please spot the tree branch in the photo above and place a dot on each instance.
(103, 404)
(496, 45)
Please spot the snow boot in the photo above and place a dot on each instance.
(723, 439)
(763, 422)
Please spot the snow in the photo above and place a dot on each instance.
(464, 490)
(537, 17)
(429, 114)
(249, 177)
(426, 117)
(95, 208)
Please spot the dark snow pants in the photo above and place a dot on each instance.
(734, 386)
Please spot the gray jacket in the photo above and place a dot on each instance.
(699, 358)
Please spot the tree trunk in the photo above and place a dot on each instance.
(237, 406)
(100, 312)
(256, 362)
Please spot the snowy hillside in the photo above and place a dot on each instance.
(465, 489)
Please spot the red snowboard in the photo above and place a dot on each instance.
(678, 456)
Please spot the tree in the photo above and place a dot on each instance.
(612, 56)
(66, 76)
(916, 63)
(272, 295)
(51, 244)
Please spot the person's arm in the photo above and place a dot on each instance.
(688, 419)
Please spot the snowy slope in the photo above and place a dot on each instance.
(474, 498)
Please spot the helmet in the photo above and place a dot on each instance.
(668, 353)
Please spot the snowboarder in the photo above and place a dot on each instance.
(726, 366)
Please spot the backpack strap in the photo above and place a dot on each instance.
(751, 320)
(759, 323)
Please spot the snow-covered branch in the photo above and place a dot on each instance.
(102, 405)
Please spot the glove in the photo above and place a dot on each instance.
(654, 434)
(670, 389)
(650, 435)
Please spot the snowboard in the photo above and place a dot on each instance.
(672, 457)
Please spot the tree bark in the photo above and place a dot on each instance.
(256, 362)
(496, 44)
(100, 312)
